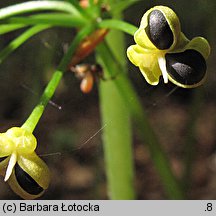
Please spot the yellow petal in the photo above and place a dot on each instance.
(30, 177)
(24, 140)
(36, 168)
(151, 74)
(142, 39)
(147, 63)
(6, 145)
(13, 183)
(181, 43)
(201, 45)
(138, 55)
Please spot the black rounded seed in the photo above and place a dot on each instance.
(158, 30)
(187, 68)
(26, 182)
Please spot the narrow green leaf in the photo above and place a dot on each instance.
(34, 6)
(54, 19)
(85, 12)
(122, 5)
(13, 45)
(94, 9)
(91, 3)
(76, 4)
(5, 28)
(119, 25)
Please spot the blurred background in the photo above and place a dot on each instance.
(183, 119)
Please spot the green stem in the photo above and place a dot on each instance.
(172, 186)
(116, 142)
(33, 6)
(120, 6)
(117, 137)
(54, 19)
(36, 114)
(118, 25)
(20, 40)
(5, 28)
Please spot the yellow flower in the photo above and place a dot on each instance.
(25, 172)
(161, 49)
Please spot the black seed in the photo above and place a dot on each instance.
(187, 68)
(26, 182)
(2, 158)
(158, 30)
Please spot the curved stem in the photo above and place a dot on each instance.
(33, 6)
(36, 114)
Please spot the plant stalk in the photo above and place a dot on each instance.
(37, 112)
(117, 138)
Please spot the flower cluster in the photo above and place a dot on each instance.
(24, 171)
(162, 49)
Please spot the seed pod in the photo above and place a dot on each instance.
(186, 69)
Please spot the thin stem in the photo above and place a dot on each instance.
(54, 19)
(117, 140)
(20, 40)
(33, 6)
(120, 6)
(5, 28)
(117, 136)
(76, 4)
(118, 25)
(36, 114)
